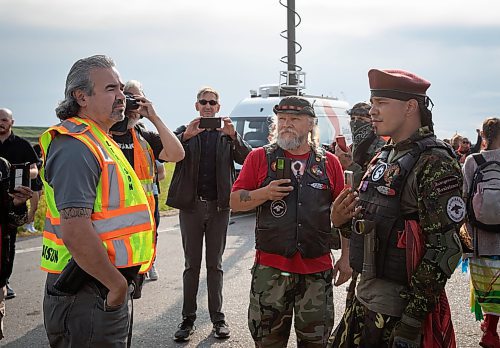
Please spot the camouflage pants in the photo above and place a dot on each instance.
(275, 296)
(360, 327)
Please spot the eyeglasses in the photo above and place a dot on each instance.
(211, 102)
(465, 142)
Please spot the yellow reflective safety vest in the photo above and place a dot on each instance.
(121, 214)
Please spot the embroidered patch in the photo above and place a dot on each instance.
(278, 208)
(455, 208)
(364, 186)
(379, 171)
(318, 186)
(446, 185)
(316, 170)
(392, 171)
(386, 191)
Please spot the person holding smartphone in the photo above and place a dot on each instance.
(16, 150)
(13, 213)
(200, 189)
(298, 190)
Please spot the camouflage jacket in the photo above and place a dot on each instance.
(433, 195)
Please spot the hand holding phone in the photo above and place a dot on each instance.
(340, 139)
(210, 122)
(19, 176)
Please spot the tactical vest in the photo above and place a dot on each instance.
(300, 221)
(380, 194)
(121, 215)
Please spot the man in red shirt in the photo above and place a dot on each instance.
(293, 270)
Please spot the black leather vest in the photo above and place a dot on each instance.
(380, 194)
(301, 221)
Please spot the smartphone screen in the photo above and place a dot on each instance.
(210, 122)
(19, 176)
(283, 168)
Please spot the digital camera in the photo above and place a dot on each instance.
(131, 103)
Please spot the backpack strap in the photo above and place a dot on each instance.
(479, 159)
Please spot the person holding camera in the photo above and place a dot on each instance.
(200, 189)
(141, 147)
(298, 190)
(99, 227)
(13, 213)
(16, 150)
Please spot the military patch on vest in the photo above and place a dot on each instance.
(316, 170)
(364, 186)
(386, 191)
(278, 208)
(446, 184)
(318, 186)
(391, 172)
(379, 171)
(455, 208)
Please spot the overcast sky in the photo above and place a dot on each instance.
(176, 47)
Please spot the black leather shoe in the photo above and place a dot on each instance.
(186, 330)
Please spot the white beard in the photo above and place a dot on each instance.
(291, 143)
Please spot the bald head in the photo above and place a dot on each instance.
(4, 112)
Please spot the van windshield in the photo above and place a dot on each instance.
(254, 130)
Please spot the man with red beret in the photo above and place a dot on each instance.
(293, 272)
(405, 242)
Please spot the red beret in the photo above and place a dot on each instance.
(397, 84)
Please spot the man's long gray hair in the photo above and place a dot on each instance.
(312, 138)
(79, 79)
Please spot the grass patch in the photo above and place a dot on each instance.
(29, 133)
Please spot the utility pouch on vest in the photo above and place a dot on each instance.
(71, 279)
(367, 229)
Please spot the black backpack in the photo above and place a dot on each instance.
(483, 206)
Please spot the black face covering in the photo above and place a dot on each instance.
(363, 136)
(120, 126)
(360, 131)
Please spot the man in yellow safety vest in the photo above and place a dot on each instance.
(99, 228)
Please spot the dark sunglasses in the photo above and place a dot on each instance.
(211, 102)
(465, 142)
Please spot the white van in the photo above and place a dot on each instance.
(251, 116)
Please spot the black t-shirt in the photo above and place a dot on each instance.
(17, 150)
(207, 175)
(126, 143)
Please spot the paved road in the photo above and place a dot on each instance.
(157, 314)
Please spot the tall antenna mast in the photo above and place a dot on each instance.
(292, 81)
(292, 55)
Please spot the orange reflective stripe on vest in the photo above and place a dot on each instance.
(121, 215)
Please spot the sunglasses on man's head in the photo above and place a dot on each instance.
(211, 102)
